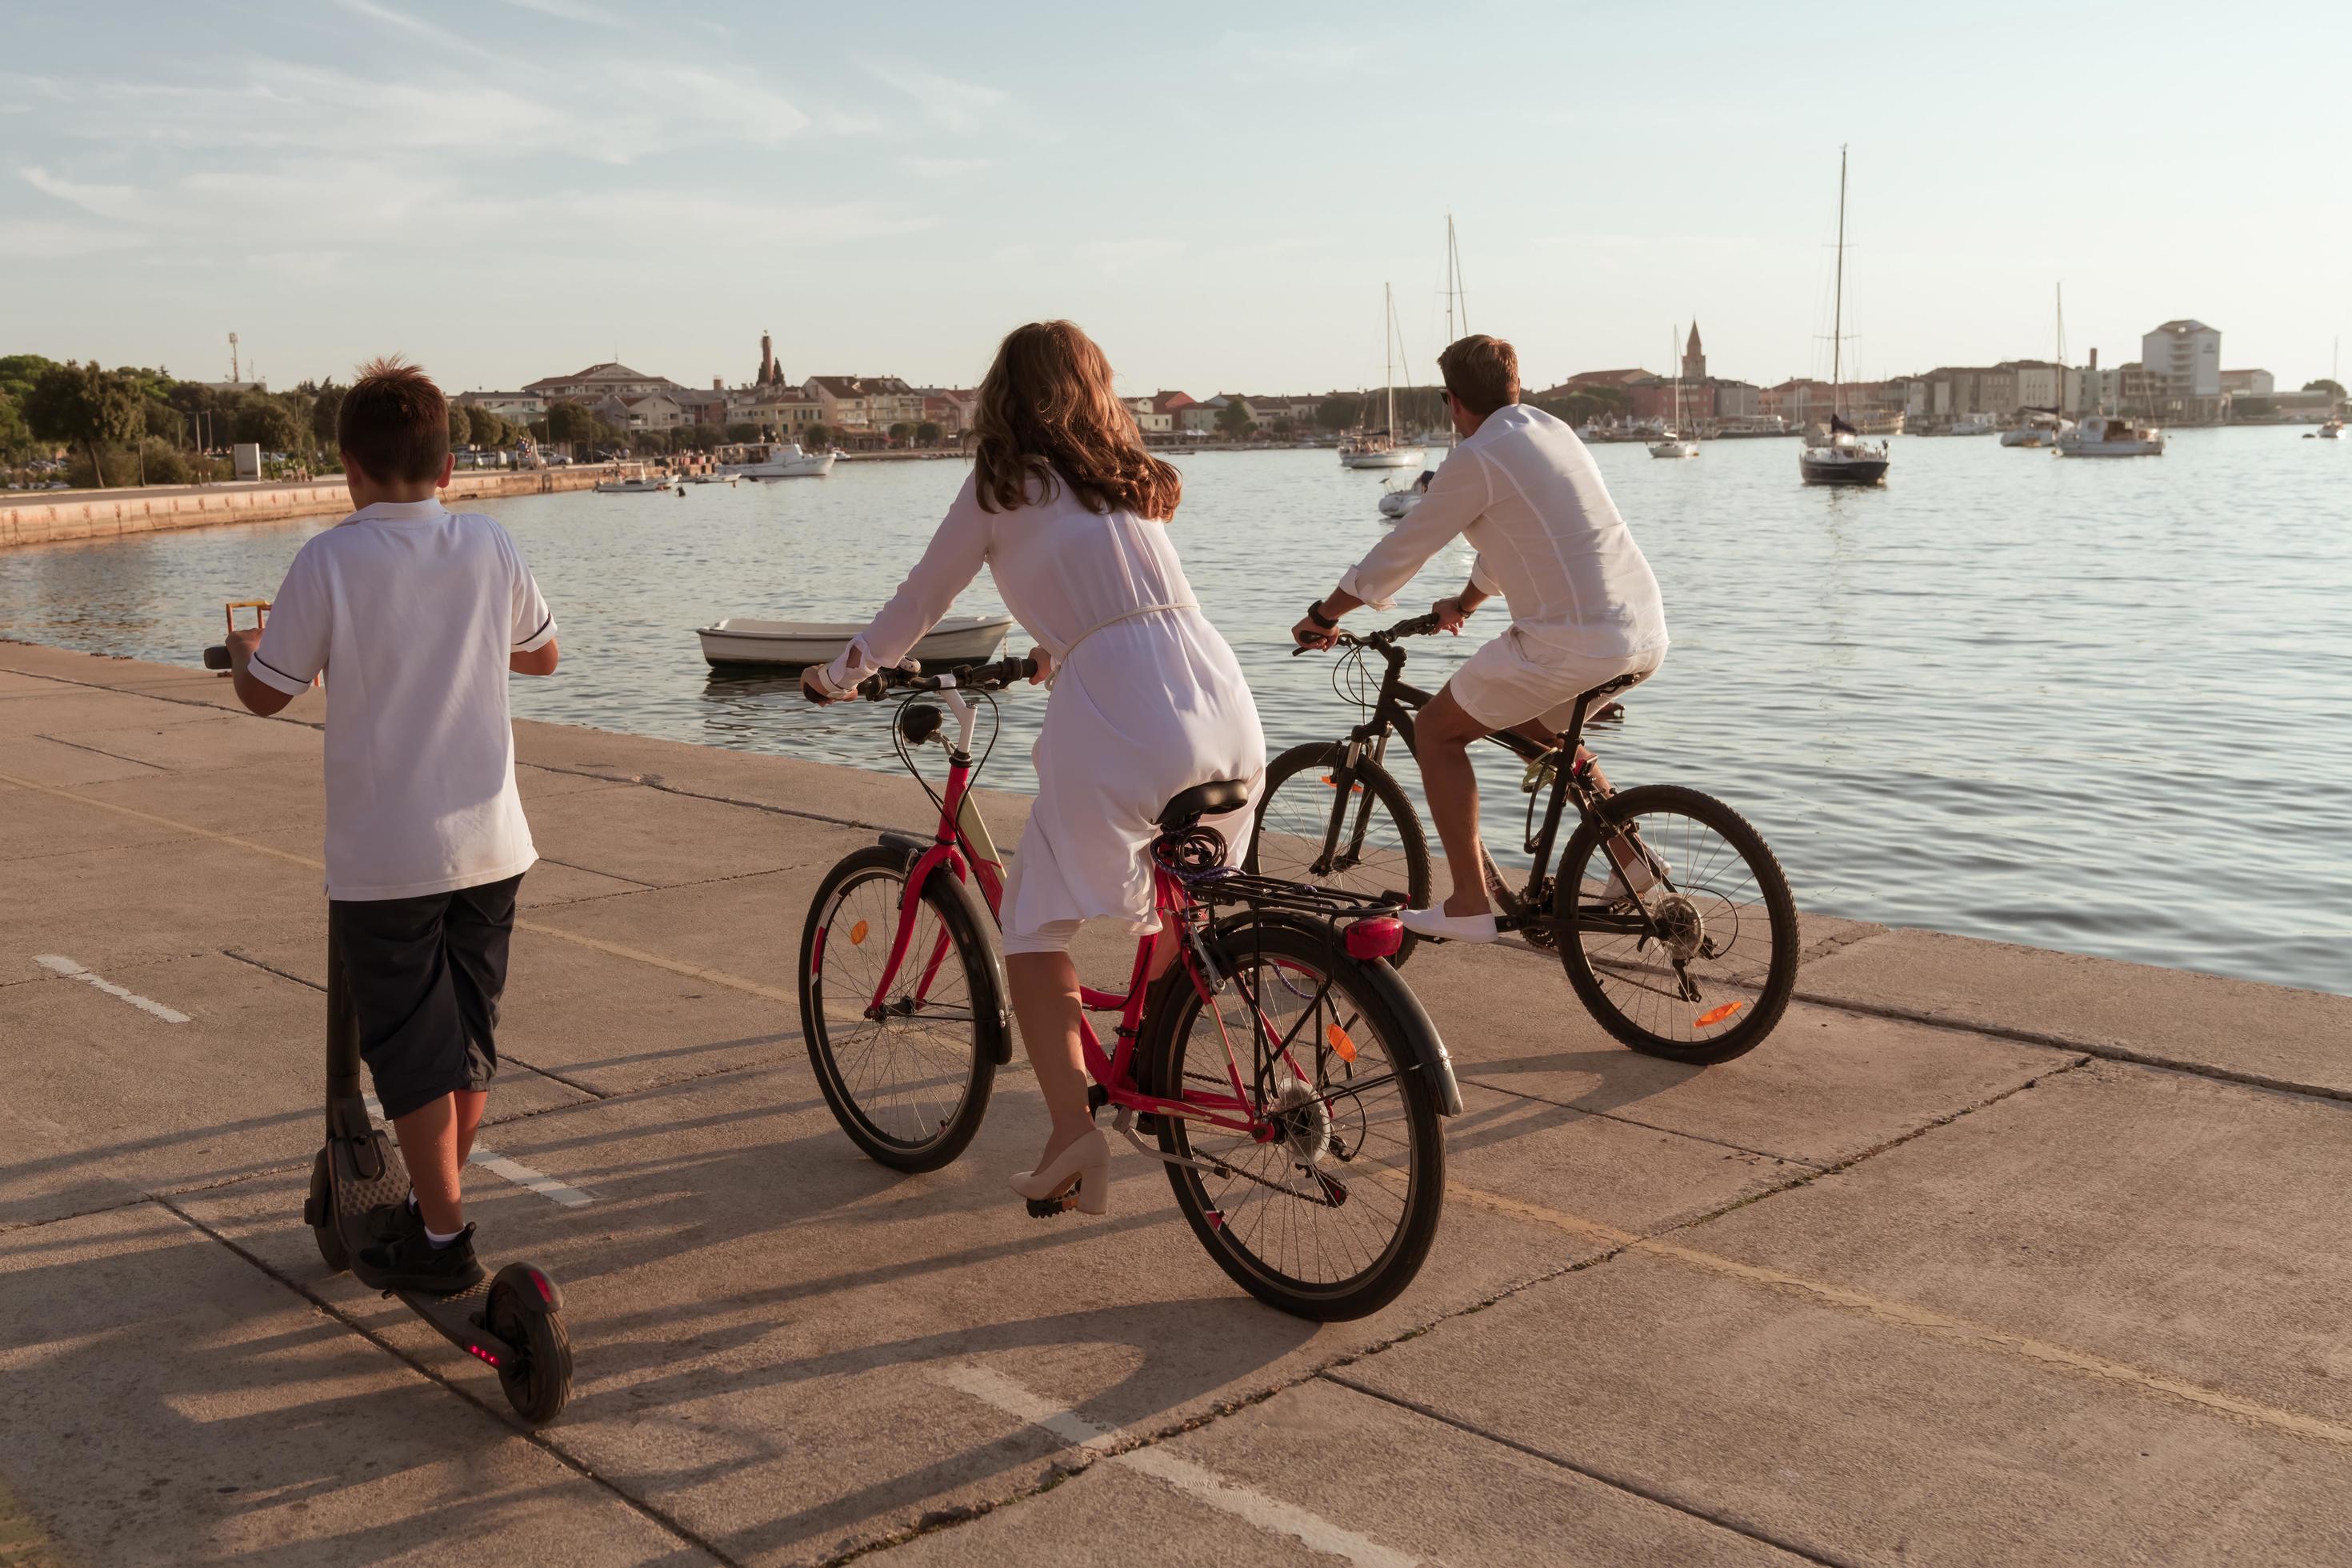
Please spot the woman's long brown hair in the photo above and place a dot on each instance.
(1047, 412)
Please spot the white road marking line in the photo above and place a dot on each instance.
(69, 970)
(514, 1170)
(1270, 1514)
(523, 1175)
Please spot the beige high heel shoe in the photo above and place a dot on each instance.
(1078, 1178)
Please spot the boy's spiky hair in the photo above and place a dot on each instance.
(393, 424)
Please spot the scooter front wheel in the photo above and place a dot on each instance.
(540, 1385)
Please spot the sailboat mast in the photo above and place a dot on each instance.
(1449, 278)
(1388, 350)
(1837, 311)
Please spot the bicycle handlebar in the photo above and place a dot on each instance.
(1417, 626)
(994, 676)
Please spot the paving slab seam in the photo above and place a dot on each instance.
(1731, 1524)
(654, 782)
(507, 1058)
(101, 752)
(1645, 1126)
(1959, 1024)
(618, 950)
(661, 1520)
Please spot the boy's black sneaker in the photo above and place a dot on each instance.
(412, 1262)
(387, 1222)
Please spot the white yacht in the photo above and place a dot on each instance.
(781, 460)
(1676, 440)
(2042, 427)
(1973, 425)
(2105, 435)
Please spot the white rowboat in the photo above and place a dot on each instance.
(959, 639)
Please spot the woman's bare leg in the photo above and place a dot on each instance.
(1045, 1001)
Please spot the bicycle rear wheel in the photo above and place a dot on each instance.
(908, 1077)
(1332, 1216)
(1703, 969)
(1375, 847)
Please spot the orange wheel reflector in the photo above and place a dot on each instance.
(1331, 783)
(857, 933)
(1717, 1015)
(1341, 1046)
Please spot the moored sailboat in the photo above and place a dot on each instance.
(1841, 456)
(1382, 449)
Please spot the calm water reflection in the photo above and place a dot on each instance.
(2105, 707)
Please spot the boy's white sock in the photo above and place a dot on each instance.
(412, 1200)
(440, 1240)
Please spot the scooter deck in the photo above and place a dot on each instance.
(461, 1320)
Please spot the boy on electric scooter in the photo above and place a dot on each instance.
(416, 614)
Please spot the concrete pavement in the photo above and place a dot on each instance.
(1989, 1254)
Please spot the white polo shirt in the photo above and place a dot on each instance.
(410, 610)
(1523, 489)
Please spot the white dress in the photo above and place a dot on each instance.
(1143, 706)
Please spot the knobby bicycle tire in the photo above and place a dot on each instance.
(1386, 1011)
(971, 936)
(1305, 768)
(1773, 986)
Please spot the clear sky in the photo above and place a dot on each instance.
(507, 189)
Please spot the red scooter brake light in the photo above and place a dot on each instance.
(1377, 938)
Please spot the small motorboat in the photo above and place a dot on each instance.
(635, 480)
(2101, 435)
(1399, 500)
(781, 460)
(736, 641)
(2331, 431)
(713, 479)
(1674, 445)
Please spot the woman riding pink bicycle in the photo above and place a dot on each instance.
(1069, 513)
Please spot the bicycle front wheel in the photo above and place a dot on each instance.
(1698, 966)
(1328, 1207)
(907, 1073)
(1367, 840)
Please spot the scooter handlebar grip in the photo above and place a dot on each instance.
(216, 656)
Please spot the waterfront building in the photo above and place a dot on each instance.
(2179, 377)
(2249, 383)
(1150, 420)
(780, 409)
(1201, 418)
(1170, 403)
(609, 378)
(519, 405)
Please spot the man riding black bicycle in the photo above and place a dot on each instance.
(1585, 609)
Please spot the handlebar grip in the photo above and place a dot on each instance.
(1418, 627)
(1007, 671)
(216, 656)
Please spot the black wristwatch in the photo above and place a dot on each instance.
(1322, 621)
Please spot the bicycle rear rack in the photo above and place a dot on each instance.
(1225, 885)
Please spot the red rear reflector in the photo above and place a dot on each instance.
(1717, 1015)
(1378, 938)
(483, 1354)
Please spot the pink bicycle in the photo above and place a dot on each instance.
(1292, 1083)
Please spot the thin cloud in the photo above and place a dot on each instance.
(35, 239)
(943, 168)
(1304, 54)
(570, 11)
(960, 107)
(440, 38)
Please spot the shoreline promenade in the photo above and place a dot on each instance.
(1990, 1254)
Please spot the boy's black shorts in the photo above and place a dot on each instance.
(424, 976)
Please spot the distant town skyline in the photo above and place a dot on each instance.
(512, 191)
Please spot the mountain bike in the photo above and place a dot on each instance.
(1291, 1082)
(1671, 915)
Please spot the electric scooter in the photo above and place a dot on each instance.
(513, 1320)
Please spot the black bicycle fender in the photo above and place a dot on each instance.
(1429, 1046)
(906, 844)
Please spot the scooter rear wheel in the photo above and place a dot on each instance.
(540, 1387)
(325, 1230)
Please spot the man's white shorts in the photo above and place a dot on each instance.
(1515, 679)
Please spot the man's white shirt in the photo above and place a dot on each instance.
(411, 611)
(1526, 493)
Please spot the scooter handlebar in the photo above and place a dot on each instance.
(216, 656)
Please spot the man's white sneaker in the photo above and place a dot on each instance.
(1435, 921)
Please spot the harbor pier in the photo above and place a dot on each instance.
(1988, 1254)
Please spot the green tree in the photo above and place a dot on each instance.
(82, 404)
(1340, 411)
(326, 408)
(487, 428)
(817, 437)
(2333, 388)
(17, 373)
(573, 422)
(901, 430)
(928, 433)
(1234, 420)
(16, 439)
(267, 423)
